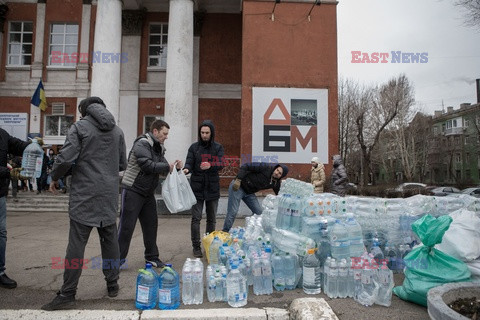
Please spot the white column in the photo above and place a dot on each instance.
(179, 79)
(196, 80)
(82, 65)
(108, 39)
(37, 65)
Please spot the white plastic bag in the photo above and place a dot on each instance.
(462, 239)
(177, 193)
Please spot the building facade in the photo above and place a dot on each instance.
(183, 61)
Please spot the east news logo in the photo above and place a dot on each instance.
(383, 57)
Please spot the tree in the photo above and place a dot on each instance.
(472, 11)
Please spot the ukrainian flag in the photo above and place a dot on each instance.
(39, 100)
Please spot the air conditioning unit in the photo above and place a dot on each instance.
(58, 108)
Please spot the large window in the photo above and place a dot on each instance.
(20, 35)
(63, 43)
(148, 120)
(58, 125)
(157, 45)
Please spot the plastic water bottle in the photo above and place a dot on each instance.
(211, 284)
(339, 241)
(296, 219)
(342, 281)
(223, 271)
(236, 288)
(290, 267)
(218, 285)
(169, 288)
(385, 279)
(278, 265)
(355, 236)
(287, 213)
(357, 278)
(311, 273)
(213, 250)
(377, 253)
(326, 272)
(391, 254)
(187, 282)
(147, 288)
(368, 294)
(32, 160)
(332, 279)
(351, 280)
(266, 274)
(257, 277)
(197, 280)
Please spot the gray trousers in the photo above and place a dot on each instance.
(77, 240)
(211, 209)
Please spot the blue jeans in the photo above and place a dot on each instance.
(234, 198)
(3, 232)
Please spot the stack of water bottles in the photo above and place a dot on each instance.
(192, 282)
(153, 289)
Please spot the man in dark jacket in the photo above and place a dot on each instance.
(146, 163)
(204, 161)
(12, 145)
(252, 178)
(339, 176)
(95, 150)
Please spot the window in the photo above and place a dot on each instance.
(467, 123)
(468, 175)
(157, 45)
(454, 123)
(63, 43)
(58, 125)
(467, 138)
(148, 120)
(449, 124)
(458, 158)
(20, 37)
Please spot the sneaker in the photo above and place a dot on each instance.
(197, 252)
(60, 302)
(6, 282)
(157, 263)
(113, 290)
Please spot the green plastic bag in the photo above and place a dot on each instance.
(427, 267)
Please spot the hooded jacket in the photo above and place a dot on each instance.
(95, 150)
(12, 145)
(339, 176)
(258, 176)
(318, 177)
(146, 163)
(205, 183)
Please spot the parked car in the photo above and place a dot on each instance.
(410, 186)
(407, 189)
(444, 191)
(474, 192)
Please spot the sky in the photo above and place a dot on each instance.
(435, 27)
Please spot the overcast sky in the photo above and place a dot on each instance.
(432, 26)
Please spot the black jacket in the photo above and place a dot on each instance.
(205, 183)
(8, 145)
(258, 176)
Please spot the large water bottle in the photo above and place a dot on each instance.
(187, 282)
(236, 288)
(290, 267)
(326, 272)
(342, 281)
(32, 160)
(214, 250)
(257, 276)
(355, 236)
(339, 241)
(287, 213)
(147, 288)
(266, 274)
(169, 288)
(332, 279)
(219, 285)
(296, 219)
(369, 292)
(385, 279)
(211, 284)
(223, 271)
(312, 273)
(197, 279)
(278, 266)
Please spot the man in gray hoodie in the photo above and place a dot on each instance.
(95, 151)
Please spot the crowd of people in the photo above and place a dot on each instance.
(94, 154)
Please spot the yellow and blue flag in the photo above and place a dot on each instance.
(39, 100)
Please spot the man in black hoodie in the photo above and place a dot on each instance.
(252, 178)
(204, 161)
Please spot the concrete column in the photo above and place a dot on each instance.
(179, 79)
(82, 65)
(37, 65)
(108, 39)
(196, 79)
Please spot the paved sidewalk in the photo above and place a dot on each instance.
(35, 239)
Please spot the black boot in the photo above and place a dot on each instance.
(197, 250)
(6, 282)
(60, 302)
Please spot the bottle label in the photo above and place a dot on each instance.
(142, 294)
(366, 279)
(384, 278)
(266, 271)
(257, 272)
(164, 296)
(343, 272)
(308, 275)
(357, 275)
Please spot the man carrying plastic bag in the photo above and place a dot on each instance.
(427, 267)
